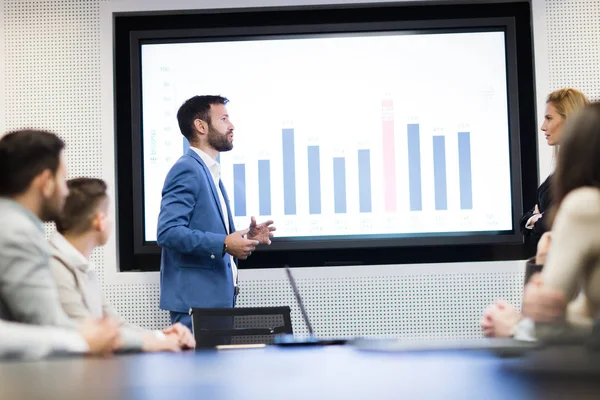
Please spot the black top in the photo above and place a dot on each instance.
(544, 201)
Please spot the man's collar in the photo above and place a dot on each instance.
(208, 160)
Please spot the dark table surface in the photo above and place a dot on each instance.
(334, 372)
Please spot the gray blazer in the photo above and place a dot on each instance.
(22, 341)
(27, 291)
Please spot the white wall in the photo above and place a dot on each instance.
(56, 74)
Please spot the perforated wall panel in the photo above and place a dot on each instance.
(51, 71)
(416, 302)
(573, 34)
(52, 82)
(51, 77)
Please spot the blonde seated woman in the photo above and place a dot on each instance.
(501, 318)
(84, 225)
(573, 265)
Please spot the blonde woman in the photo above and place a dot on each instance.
(560, 105)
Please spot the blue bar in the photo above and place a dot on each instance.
(464, 170)
(239, 189)
(414, 167)
(314, 180)
(364, 180)
(289, 172)
(339, 184)
(264, 187)
(439, 173)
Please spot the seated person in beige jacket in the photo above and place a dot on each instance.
(573, 265)
(84, 225)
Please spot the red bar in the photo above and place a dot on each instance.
(389, 159)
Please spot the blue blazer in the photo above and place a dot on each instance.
(194, 272)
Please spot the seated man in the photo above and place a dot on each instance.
(84, 225)
(23, 341)
(33, 189)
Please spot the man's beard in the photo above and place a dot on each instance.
(218, 141)
(51, 208)
(50, 212)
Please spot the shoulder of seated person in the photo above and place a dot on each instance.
(61, 273)
(581, 202)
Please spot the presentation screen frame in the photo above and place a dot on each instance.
(326, 21)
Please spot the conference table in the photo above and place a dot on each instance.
(331, 372)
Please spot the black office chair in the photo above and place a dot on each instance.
(251, 325)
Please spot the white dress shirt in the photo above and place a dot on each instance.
(215, 171)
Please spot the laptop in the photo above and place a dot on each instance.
(312, 339)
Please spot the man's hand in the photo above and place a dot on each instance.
(101, 336)
(238, 246)
(261, 232)
(154, 344)
(184, 337)
(543, 247)
(500, 319)
(542, 304)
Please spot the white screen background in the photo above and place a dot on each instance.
(331, 92)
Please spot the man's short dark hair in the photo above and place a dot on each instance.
(25, 154)
(198, 107)
(85, 196)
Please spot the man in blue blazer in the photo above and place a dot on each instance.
(200, 246)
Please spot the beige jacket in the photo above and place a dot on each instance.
(80, 292)
(573, 263)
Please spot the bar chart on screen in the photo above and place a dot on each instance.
(410, 176)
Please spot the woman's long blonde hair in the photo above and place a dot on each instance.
(567, 102)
